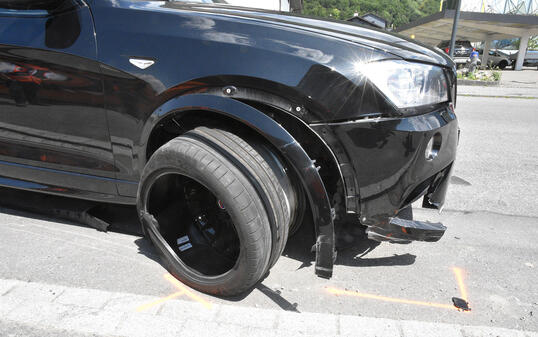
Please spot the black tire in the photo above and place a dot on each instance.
(253, 158)
(231, 170)
(503, 65)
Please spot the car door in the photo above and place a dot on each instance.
(53, 126)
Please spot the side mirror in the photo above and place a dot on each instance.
(30, 4)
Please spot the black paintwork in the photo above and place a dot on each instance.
(77, 118)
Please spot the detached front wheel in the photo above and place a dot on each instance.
(215, 210)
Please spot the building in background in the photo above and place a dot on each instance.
(376, 20)
(481, 21)
(370, 20)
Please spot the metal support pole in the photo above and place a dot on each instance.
(486, 48)
(523, 42)
(455, 28)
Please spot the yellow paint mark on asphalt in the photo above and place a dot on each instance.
(183, 290)
(458, 272)
(187, 291)
(459, 278)
(159, 301)
(336, 291)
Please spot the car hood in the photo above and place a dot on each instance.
(394, 44)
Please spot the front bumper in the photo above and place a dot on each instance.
(385, 168)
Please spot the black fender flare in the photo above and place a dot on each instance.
(289, 148)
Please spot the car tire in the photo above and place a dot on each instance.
(502, 65)
(237, 178)
(258, 162)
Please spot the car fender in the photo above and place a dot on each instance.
(288, 147)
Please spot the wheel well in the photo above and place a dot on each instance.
(178, 123)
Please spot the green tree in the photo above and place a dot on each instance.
(396, 12)
(532, 45)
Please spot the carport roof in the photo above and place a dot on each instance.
(472, 26)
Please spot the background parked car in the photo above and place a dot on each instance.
(531, 59)
(462, 50)
(497, 58)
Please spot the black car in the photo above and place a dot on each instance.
(227, 127)
(462, 50)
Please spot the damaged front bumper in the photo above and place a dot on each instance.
(388, 163)
(401, 230)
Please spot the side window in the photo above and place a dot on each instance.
(22, 12)
(27, 7)
(39, 25)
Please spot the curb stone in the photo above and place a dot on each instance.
(65, 311)
(479, 83)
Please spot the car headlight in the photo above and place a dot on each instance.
(408, 84)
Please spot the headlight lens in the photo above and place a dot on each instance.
(408, 84)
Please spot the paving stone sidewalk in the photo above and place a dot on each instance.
(36, 309)
(517, 84)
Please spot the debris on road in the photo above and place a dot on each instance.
(461, 304)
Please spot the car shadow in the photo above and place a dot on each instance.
(115, 218)
(277, 298)
(352, 246)
(352, 243)
(145, 247)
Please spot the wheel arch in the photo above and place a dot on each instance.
(262, 120)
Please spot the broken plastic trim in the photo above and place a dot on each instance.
(435, 197)
(399, 230)
(83, 217)
(322, 260)
(461, 304)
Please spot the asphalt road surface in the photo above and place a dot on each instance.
(488, 255)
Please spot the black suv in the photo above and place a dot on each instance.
(462, 50)
(227, 127)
